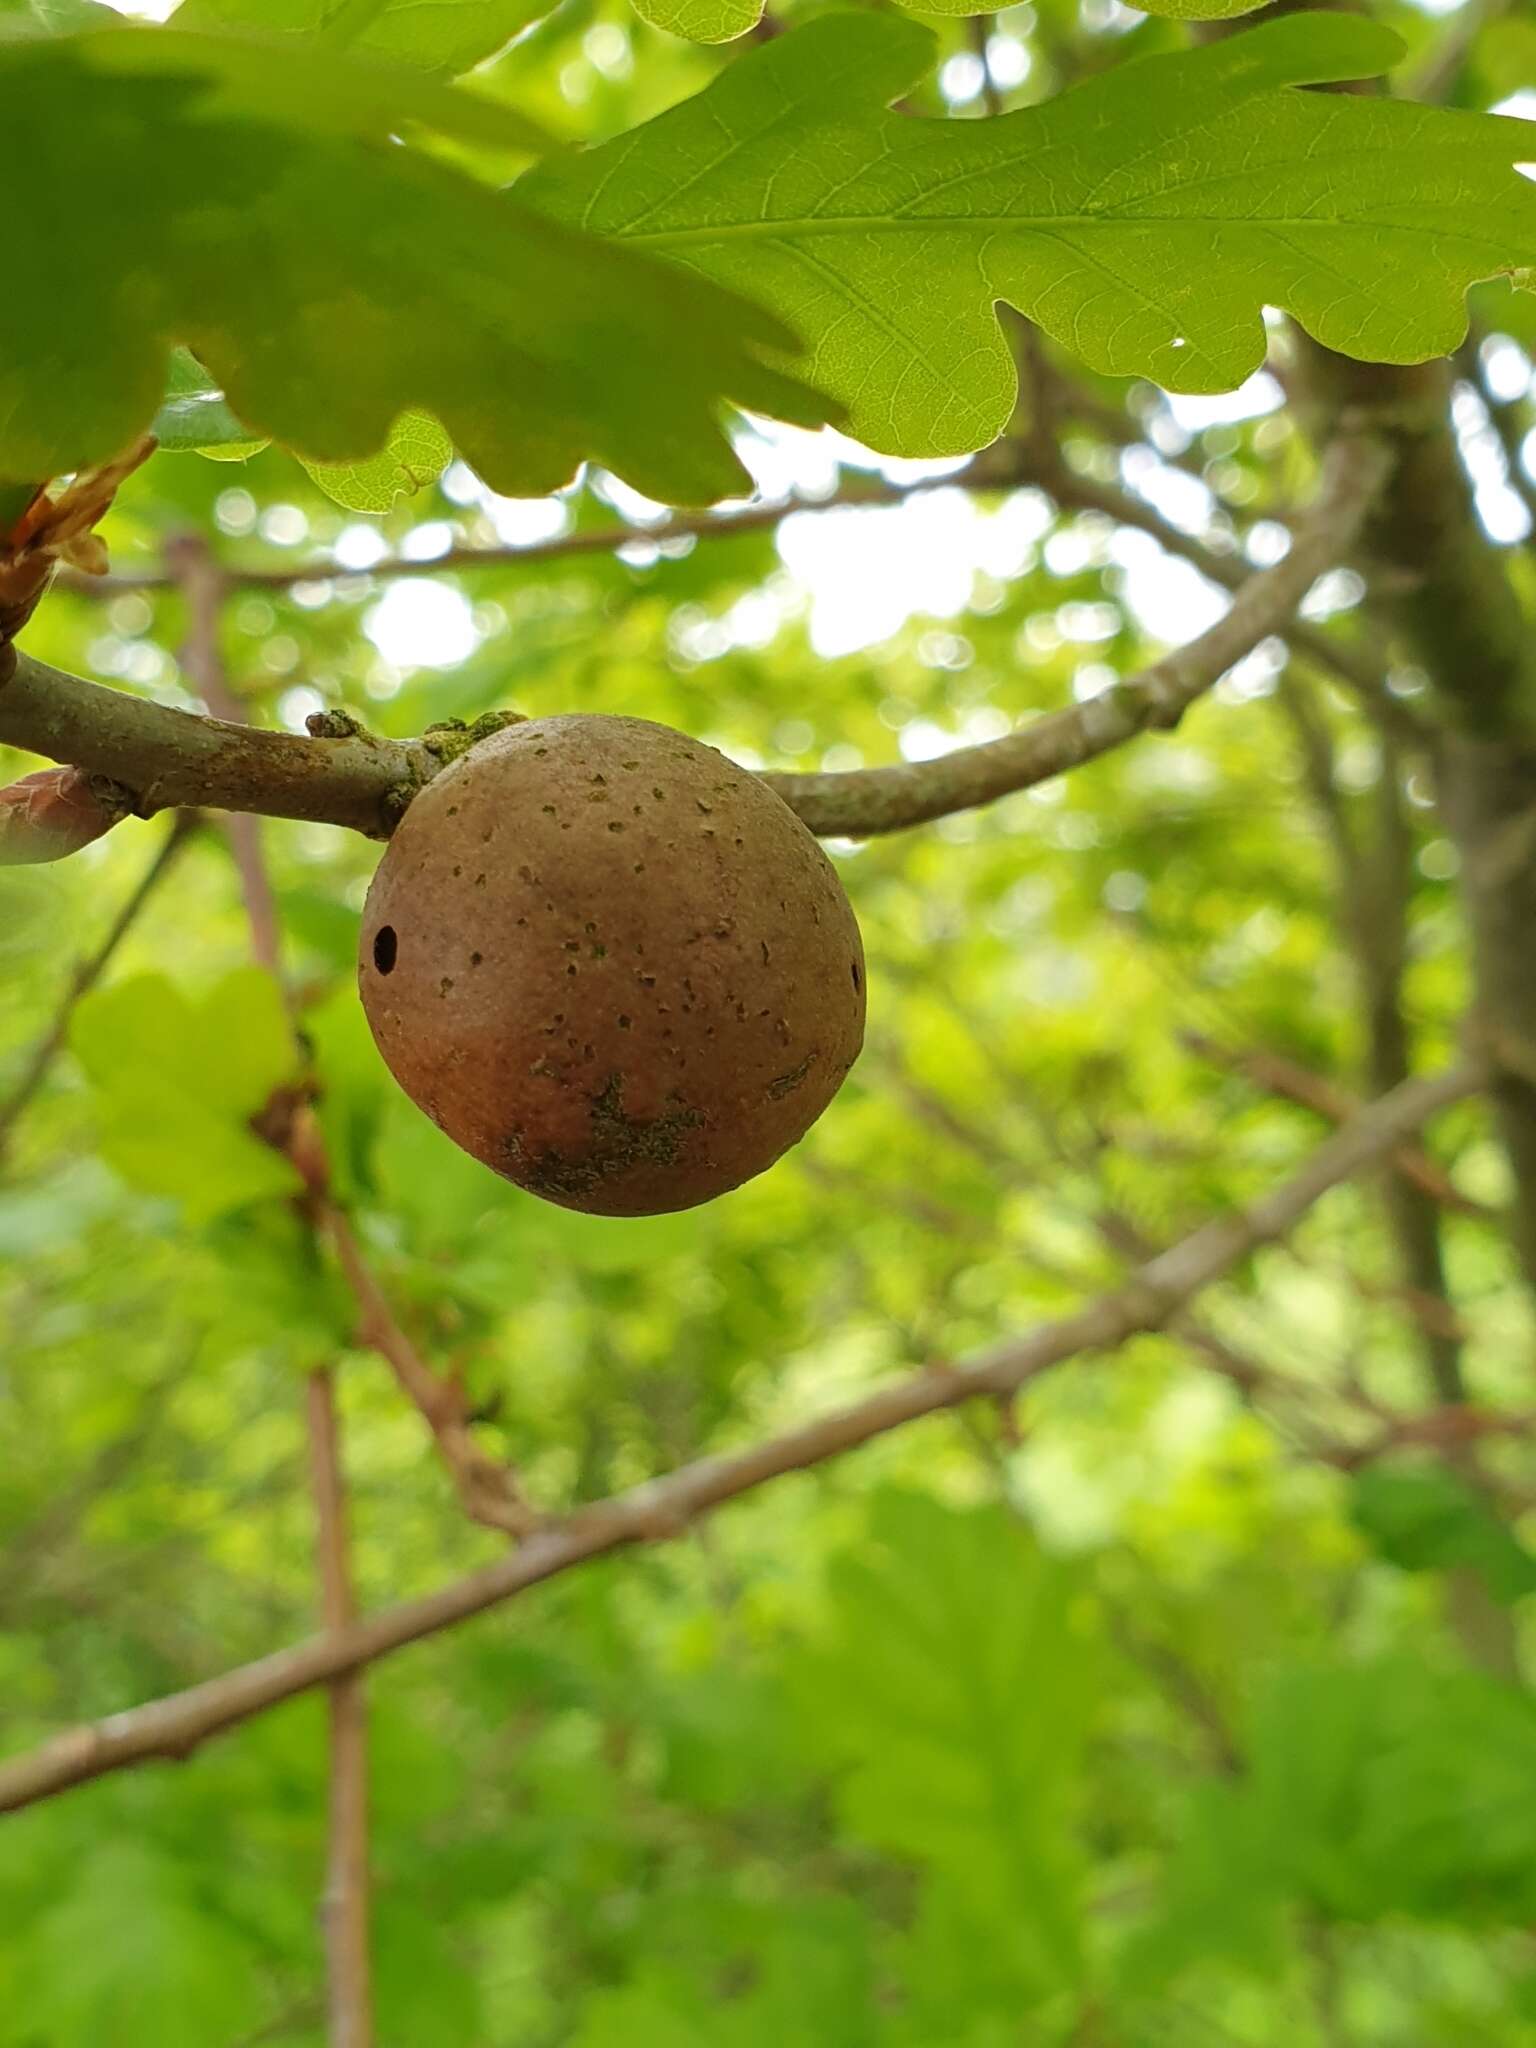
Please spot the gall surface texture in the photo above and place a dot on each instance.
(611, 964)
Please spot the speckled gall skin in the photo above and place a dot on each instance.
(611, 964)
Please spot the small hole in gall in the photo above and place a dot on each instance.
(386, 948)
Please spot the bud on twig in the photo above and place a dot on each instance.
(62, 528)
(55, 812)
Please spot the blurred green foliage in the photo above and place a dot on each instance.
(1141, 1717)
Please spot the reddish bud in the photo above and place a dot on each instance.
(55, 812)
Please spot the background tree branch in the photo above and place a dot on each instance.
(344, 1905)
(85, 977)
(344, 1902)
(165, 756)
(175, 1726)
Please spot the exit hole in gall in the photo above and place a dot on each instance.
(386, 947)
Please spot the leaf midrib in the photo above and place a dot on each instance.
(1010, 223)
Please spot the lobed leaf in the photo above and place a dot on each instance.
(415, 455)
(1426, 1518)
(238, 201)
(1145, 218)
(702, 21)
(53, 17)
(721, 21)
(130, 1950)
(178, 1082)
(1371, 1791)
(193, 414)
(321, 90)
(957, 1682)
(436, 36)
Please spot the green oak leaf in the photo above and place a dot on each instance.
(415, 455)
(702, 21)
(53, 17)
(240, 200)
(193, 414)
(321, 89)
(130, 1949)
(956, 1685)
(177, 1083)
(721, 21)
(1145, 218)
(445, 37)
(1424, 1518)
(1170, 10)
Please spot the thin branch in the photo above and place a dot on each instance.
(86, 975)
(344, 1903)
(169, 756)
(1353, 665)
(46, 1539)
(987, 471)
(1278, 1075)
(1439, 72)
(174, 1727)
(205, 587)
(1375, 881)
(1184, 1685)
(864, 801)
(1508, 418)
(1128, 1244)
(1115, 1229)
(979, 31)
(486, 1487)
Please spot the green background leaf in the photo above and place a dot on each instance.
(957, 1678)
(720, 21)
(193, 414)
(178, 1081)
(416, 454)
(702, 21)
(1123, 1719)
(126, 1949)
(435, 36)
(1425, 1518)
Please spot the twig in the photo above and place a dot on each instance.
(170, 756)
(205, 586)
(487, 1488)
(47, 1538)
(1439, 72)
(987, 471)
(1121, 1236)
(344, 1904)
(87, 974)
(164, 755)
(1505, 416)
(174, 1726)
(1353, 665)
(1183, 1683)
(979, 31)
(1278, 1075)
(872, 800)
